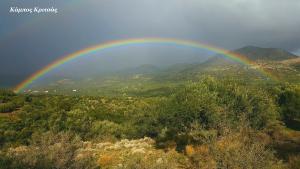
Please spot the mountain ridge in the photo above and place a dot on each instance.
(260, 53)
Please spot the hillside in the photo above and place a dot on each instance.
(281, 63)
(206, 124)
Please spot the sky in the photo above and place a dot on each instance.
(29, 42)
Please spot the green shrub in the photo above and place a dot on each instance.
(7, 107)
(212, 104)
(289, 102)
(106, 130)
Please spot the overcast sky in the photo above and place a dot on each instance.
(31, 41)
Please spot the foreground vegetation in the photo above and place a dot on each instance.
(209, 123)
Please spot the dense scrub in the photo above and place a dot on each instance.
(205, 124)
(9, 102)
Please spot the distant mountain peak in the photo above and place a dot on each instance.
(259, 53)
(253, 53)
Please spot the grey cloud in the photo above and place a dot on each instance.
(226, 23)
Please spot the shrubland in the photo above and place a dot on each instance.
(210, 123)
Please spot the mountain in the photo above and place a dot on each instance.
(252, 53)
(258, 53)
(282, 64)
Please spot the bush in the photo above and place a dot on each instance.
(106, 130)
(7, 107)
(235, 150)
(289, 102)
(294, 161)
(47, 151)
(79, 122)
(214, 104)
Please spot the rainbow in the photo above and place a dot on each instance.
(118, 43)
